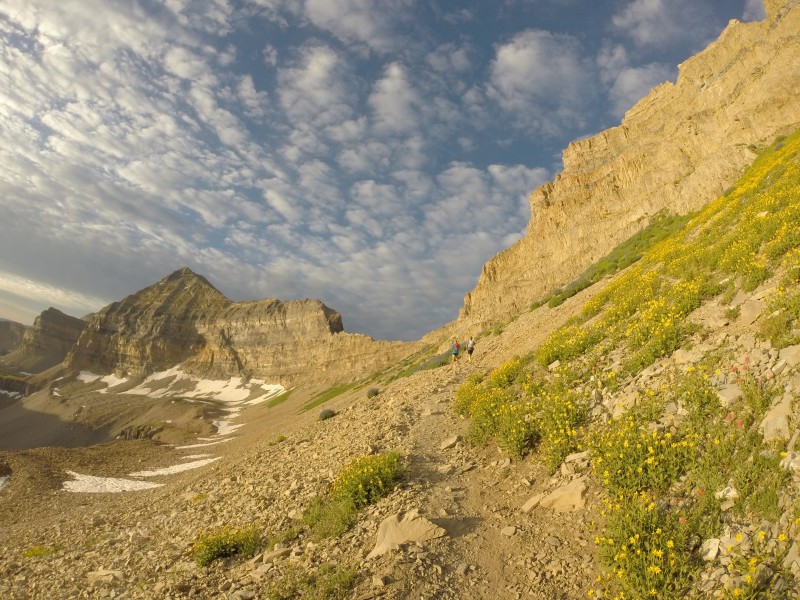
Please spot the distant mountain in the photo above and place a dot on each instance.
(184, 320)
(47, 343)
(10, 335)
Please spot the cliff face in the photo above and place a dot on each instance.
(151, 330)
(47, 343)
(678, 148)
(11, 334)
(184, 320)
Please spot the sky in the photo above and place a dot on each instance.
(372, 154)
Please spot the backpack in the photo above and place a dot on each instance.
(456, 347)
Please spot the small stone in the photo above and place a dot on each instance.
(509, 531)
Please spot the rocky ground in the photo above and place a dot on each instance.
(500, 528)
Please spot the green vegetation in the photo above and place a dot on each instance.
(362, 482)
(225, 541)
(280, 398)
(327, 395)
(38, 552)
(660, 228)
(329, 582)
(326, 413)
(661, 462)
(372, 392)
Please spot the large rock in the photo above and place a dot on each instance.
(775, 425)
(567, 498)
(396, 530)
(678, 148)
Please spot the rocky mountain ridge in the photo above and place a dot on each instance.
(10, 335)
(183, 320)
(46, 343)
(676, 149)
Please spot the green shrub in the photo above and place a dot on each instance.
(329, 517)
(627, 459)
(38, 552)
(329, 582)
(360, 483)
(558, 415)
(226, 541)
(326, 413)
(646, 549)
(372, 392)
(367, 479)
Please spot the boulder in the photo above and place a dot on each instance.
(410, 527)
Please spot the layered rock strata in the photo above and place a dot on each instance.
(677, 149)
(184, 320)
(11, 334)
(46, 344)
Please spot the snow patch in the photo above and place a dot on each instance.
(175, 382)
(15, 395)
(225, 427)
(175, 468)
(194, 456)
(87, 377)
(96, 485)
(202, 445)
(112, 380)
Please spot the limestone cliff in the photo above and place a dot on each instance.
(677, 149)
(184, 320)
(47, 343)
(10, 335)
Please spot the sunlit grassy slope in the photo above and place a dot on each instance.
(661, 460)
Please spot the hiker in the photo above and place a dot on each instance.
(455, 347)
(470, 348)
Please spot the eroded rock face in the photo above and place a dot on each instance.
(184, 320)
(47, 343)
(10, 335)
(678, 148)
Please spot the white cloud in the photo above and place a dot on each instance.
(39, 295)
(754, 10)
(682, 24)
(543, 80)
(370, 23)
(319, 88)
(394, 100)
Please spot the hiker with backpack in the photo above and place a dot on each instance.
(454, 348)
(470, 348)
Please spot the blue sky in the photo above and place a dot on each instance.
(373, 154)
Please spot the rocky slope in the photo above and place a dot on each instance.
(677, 149)
(506, 529)
(184, 320)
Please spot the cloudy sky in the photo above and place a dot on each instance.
(373, 154)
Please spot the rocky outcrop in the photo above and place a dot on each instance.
(11, 334)
(184, 320)
(677, 149)
(151, 330)
(47, 343)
